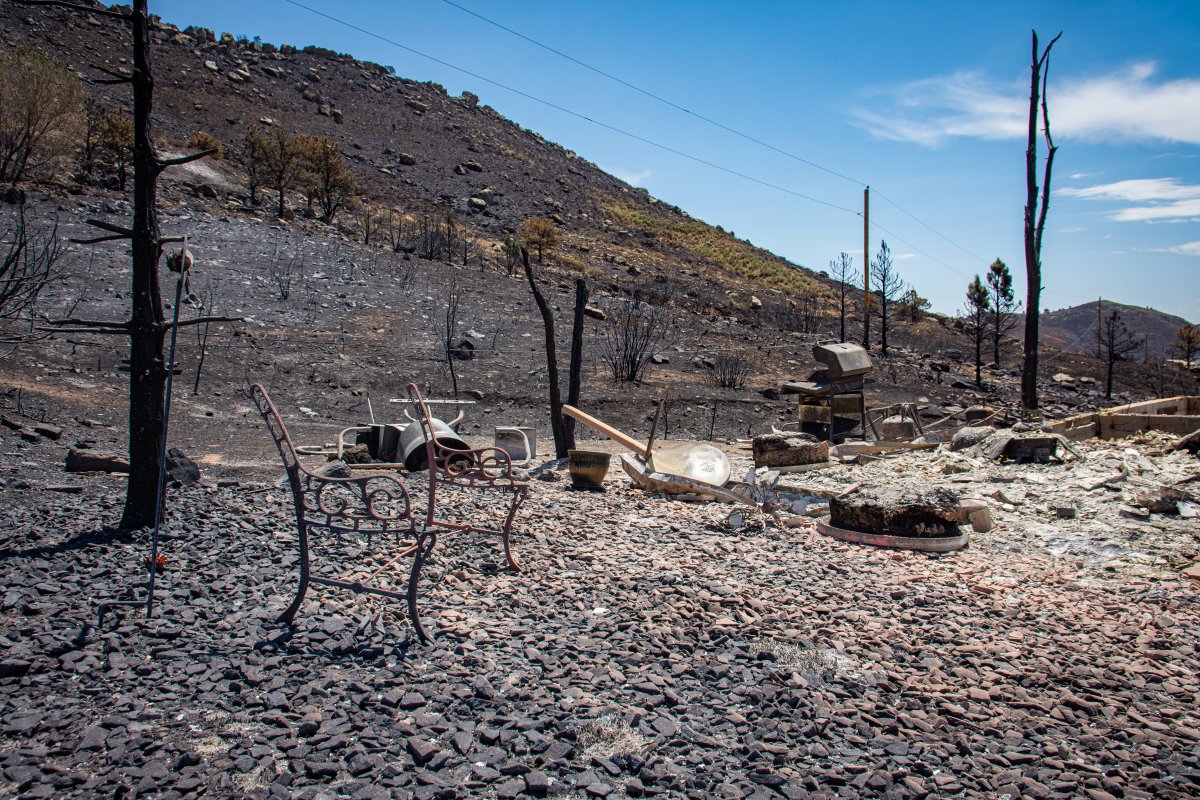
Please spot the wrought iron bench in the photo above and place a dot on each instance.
(486, 468)
(368, 506)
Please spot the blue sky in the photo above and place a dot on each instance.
(924, 101)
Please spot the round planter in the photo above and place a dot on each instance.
(588, 468)
(930, 544)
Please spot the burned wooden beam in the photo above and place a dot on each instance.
(788, 449)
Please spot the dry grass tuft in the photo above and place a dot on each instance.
(822, 664)
(607, 737)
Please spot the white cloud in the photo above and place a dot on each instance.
(632, 178)
(931, 110)
(1126, 105)
(1154, 199)
(1138, 190)
(1185, 249)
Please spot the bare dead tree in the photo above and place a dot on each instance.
(842, 271)
(205, 302)
(511, 253)
(805, 315)
(1117, 342)
(1163, 380)
(399, 233)
(469, 246)
(886, 282)
(1035, 217)
(729, 371)
(146, 326)
(636, 328)
(556, 416)
(445, 327)
(436, 239)
(451, 233)
(29, 260)
(369, 223)
(284, 269)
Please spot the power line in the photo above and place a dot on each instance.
(708, 120)
(658, 145)
(1064, 350)
(922, 252)
(957, 272)
(568, 111)
(910, 215)
(654, 96)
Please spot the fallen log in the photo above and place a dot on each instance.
(92, 461)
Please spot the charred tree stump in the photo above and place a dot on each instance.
(898, 512)
(786, 450)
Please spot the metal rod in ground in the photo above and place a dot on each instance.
(654, 427)
(162, 448)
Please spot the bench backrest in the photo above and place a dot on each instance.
(279, 433)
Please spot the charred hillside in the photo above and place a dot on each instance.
(330, 320)
(412, 147)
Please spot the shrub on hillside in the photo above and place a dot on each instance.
(41, 103)
(203, 140)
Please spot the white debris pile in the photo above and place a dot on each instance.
(1126, 506)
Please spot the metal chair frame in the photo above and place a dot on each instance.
(485, 469)
(356, 505)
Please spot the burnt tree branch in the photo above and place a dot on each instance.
(83, 9)
(166, 163)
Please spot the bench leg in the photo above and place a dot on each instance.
(426, 541)
(506, 532)
(287, 616)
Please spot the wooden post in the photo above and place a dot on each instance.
(575, 372)
(867, 267)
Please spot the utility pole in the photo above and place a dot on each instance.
(1099, 323)
(867, 267)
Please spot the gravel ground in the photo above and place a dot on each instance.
(645, 650)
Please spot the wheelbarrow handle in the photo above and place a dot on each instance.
(617, 436)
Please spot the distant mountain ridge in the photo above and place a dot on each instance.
(1074, 329)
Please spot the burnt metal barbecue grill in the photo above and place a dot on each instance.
(836, 388)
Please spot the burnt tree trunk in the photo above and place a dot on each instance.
(147, 371)
(556, 415)
(575, 376)
(145, 327)
(1035, 218)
